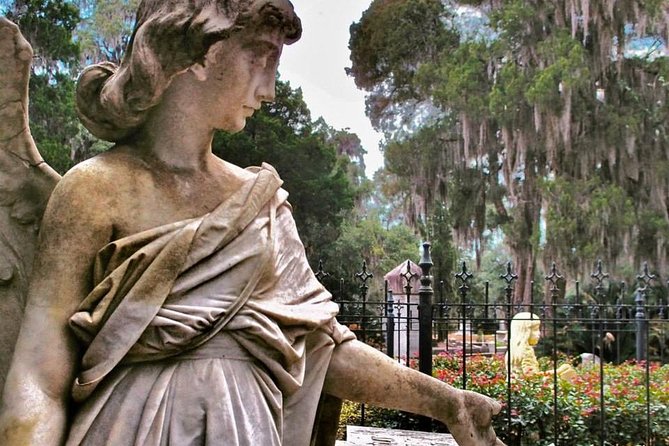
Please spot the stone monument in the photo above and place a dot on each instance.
(525, 335)
(405, 308)
(162, 307)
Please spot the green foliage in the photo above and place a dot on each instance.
(444, 254)
(53, 120)
(411, 163)
(566, 68)
(389, 45)
(48, 25)
(467, 205)
(582, 217)
(366, 239)
(461, 80)
(654, 7)
(394, 37)
(515, 22)
(508, 94)
(346, 144)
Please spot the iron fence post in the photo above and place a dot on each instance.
(621, 313)
(363, 276)
(554, 278)
(508, 277)
(640, 314)
(464, 277)
(642, 326)
(425, 293)
(409, 276)
(599, 277)
(390, 324)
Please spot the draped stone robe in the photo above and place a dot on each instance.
(208, 331)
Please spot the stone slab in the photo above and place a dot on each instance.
(374, 436)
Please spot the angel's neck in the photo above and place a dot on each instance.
(175, 140)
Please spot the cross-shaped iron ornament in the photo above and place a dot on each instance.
(553, 278)
(645, 278)
(409, 276)
(599, 277)
(464, 277)
(509, 276)
(364, 276)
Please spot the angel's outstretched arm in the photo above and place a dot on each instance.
(361, 373)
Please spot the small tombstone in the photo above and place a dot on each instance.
(406, 307)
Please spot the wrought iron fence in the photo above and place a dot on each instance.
(611, 324)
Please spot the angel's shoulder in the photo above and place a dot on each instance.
(82, 179)
(87, 188)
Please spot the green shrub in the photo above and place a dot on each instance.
(578, 403)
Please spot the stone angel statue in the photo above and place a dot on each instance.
(170, 301)
(525, 335)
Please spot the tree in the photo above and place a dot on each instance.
(550, 102)
(382, 249)
(105, 29)
(49, 26)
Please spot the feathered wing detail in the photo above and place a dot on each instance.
(26, 182)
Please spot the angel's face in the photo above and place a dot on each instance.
(238, 75)
(535, 334)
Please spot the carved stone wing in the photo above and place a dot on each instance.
(26, 182)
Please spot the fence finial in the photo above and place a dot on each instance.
(409, 276)
(321, 274)
(509, 276)
(426, 259)
(599, 277)
(554, 277)
(364, 275)
(645, 278)
(464, 277)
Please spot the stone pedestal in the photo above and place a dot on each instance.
(374, 436)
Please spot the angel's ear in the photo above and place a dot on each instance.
(199, 71)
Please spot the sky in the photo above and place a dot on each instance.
(316, 63)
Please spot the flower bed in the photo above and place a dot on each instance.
(578, 403)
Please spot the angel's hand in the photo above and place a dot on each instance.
(15, 60)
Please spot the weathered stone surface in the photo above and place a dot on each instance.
(374, 436)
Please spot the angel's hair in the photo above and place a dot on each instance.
(522, 325)
(169, 37)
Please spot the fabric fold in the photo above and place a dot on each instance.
(183, 314)
(131, 290)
